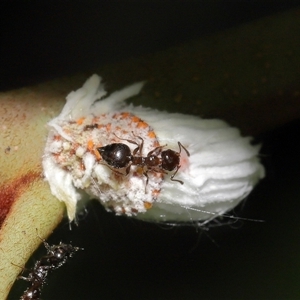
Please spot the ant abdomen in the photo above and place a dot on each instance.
(116, 155)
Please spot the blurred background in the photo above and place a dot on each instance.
(42, 40)
(126, 258)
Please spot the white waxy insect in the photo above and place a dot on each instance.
(217, 166)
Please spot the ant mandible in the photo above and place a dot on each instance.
(118, 155)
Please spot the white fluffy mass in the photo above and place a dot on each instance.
(222, 169)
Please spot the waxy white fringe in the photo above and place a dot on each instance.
(221, 170)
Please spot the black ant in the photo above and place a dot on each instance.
(56, 256)
(37, 276)
(118, 155)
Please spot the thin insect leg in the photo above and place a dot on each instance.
(29, 279)
(43, 240)
(181, 146)
(46, 245)
(172, 177)
(24, 278)
(145, 173)
(161, 171)
(156, 151)
(128, 169)
(23, 269)
(138, 148)
(114, 170)
(96, 185)
(147, 180)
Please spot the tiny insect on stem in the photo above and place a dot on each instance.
(57, 256)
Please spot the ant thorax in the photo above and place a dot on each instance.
(103, 175)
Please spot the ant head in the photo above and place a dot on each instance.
(170, 160)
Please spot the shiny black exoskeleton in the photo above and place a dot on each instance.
(56, 256)
(119, 155)
(116, 155)
(37, 276)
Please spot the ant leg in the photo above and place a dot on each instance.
(115, 171)
(137, 149)
(46, 245)
(147, 180)
(29, 279)
(181, 146)
(24, 278)
(128, 169)
(23, 269)
(156, 151)
(141, 145)
(172, 177)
